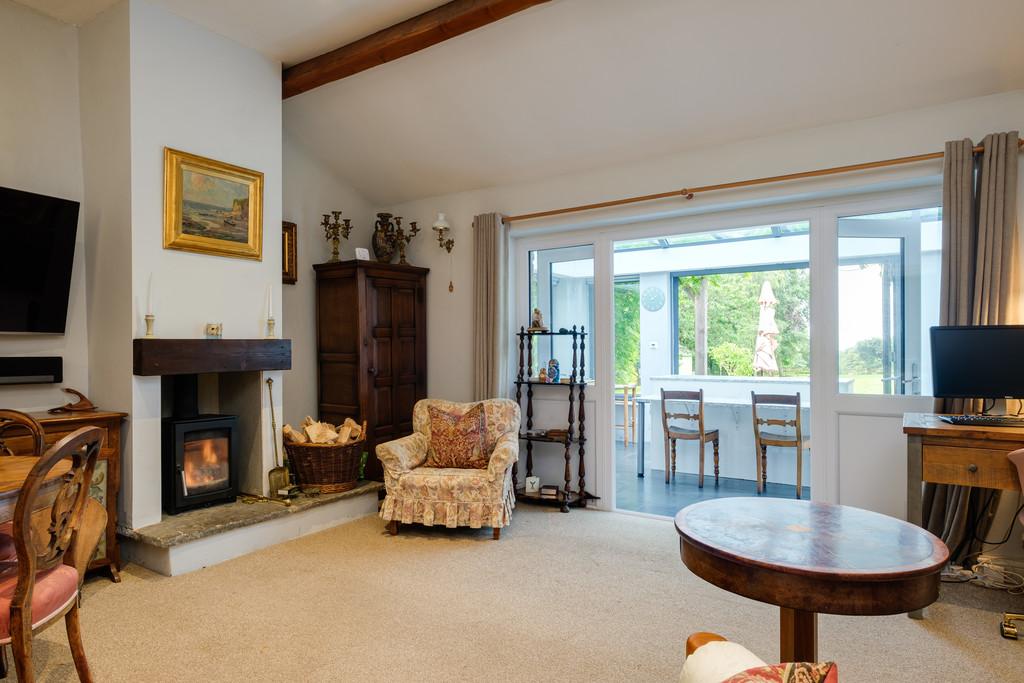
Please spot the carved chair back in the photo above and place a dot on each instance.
(43, 546)
(777, 400)
(12, 420)
(683, 396)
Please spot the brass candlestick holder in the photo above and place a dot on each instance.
(150, 319)
(333, 231)
(402, 238)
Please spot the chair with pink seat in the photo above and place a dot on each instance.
(42, 584)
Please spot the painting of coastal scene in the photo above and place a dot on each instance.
(214, 207)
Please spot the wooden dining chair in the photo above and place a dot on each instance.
(43, 584)
(12, 421)
(701, 435)
(764, 439)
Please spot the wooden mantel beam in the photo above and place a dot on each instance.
(412, 35)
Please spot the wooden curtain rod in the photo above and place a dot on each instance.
(689, 193)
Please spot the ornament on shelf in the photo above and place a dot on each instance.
(537, 322)
(149, 318)
(542, 376)
(554, 372)
(270, 312)
(333, 231)
(389, 236)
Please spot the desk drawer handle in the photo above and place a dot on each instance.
(972, 468)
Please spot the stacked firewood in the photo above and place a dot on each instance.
(312, 431)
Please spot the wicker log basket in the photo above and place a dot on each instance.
(328, 467)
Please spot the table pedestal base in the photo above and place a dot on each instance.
(798, 635)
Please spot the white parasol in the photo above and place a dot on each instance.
(767, 332)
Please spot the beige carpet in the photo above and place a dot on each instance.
(587, 596)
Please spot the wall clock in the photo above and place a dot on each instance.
(653, 299)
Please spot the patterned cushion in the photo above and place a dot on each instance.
(793, 672)
(458, 439)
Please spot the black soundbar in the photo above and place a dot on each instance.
(31, 370)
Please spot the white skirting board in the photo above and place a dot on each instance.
(221, 547)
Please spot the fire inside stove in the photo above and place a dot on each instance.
(205, 465)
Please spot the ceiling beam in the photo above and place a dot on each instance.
(412, 35)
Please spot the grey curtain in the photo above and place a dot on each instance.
(490, 308)
(979, 250)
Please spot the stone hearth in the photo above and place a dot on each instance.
(199, 538)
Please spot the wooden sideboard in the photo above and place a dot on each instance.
(106, 480)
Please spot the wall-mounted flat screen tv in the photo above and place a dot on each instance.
(37, 250)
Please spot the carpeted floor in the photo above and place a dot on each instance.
(587, 596)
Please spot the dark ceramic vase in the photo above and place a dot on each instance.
(383, 245)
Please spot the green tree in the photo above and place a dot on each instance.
(730, 359)
(863, 358)
(733, 315)
(627, 332)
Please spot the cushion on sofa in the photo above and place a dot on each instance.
(457, 439)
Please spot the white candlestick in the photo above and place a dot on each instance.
(149, 296)
(270, 301)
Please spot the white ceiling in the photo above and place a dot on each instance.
(578, 84)
(287, 30)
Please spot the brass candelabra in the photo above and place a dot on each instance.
(333, 231)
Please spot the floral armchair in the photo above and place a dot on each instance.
(474, 497)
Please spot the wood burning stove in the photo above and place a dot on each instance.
(199, 454)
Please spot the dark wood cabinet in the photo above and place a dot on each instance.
(371, 347)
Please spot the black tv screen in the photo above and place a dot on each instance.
(37, 250)
(978, 362)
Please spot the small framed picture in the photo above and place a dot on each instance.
(532, 484)
(362, 254)
(289, 253)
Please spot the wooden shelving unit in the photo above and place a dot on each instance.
(576, 422)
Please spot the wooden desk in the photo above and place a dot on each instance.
(943, 453)
(810, 558)
(13, 472)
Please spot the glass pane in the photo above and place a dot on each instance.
(889, 272)
(562, 287)
(627, 332)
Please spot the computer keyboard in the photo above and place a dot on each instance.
(984, 420)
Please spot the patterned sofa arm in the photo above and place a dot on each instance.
(506, 452)
(401, 455)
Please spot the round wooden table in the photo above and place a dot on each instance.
(808, 558)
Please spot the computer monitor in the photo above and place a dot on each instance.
(985, 361)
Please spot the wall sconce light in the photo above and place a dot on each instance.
(442, 228)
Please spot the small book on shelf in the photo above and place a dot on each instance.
(549, 491)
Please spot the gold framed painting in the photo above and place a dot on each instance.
(289, 253)
(211, 207)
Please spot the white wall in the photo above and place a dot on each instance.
(104, 55)
(195, 91)
(912, 132)
(311, 190)
(41, 151)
